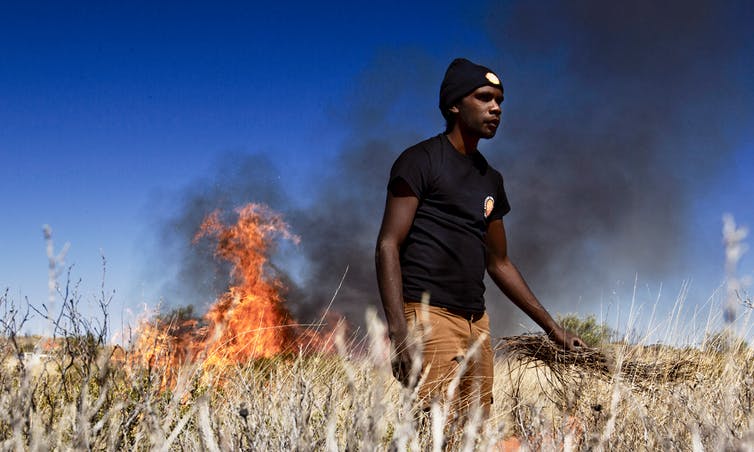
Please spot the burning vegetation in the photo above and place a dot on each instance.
(248, 321)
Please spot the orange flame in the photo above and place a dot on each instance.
(248, 321)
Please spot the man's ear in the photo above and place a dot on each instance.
(453, 109)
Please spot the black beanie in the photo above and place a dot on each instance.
(461, 78)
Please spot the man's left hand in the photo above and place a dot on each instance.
(566, 339)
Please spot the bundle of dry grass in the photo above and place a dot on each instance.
(537, 349)
(612, 398)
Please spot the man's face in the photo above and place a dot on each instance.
(479, 112)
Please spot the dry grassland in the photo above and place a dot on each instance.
(82, 396)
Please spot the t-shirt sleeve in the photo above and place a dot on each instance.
(501, 207)
(414, 167)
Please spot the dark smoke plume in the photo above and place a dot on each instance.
(188, 272)
(616, 115)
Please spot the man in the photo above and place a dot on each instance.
(442, 228)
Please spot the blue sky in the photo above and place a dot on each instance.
(108, 110)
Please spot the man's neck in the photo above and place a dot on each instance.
(463, 143)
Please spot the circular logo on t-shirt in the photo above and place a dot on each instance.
(489, 204)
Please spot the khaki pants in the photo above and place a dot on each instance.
(446, 339)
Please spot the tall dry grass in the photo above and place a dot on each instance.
(76, 392)
(621, 397)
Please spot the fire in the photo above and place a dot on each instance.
(248, 321)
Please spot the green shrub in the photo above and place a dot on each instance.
(588, 328)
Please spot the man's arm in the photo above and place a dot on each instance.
(512, 284)
(400, 209)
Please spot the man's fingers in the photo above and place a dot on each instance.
(401, 369)
(396, 369)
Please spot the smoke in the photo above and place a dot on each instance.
(188, 272)
(615, 117)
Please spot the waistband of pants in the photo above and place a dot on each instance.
(471, 316)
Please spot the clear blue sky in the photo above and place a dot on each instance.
(106, 106)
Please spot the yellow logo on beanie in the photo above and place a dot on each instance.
(492, 78)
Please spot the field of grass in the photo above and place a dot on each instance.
(82, 394)
(75, 391)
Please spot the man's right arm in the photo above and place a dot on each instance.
(400, 209)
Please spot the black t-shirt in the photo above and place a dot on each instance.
(444, 253)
